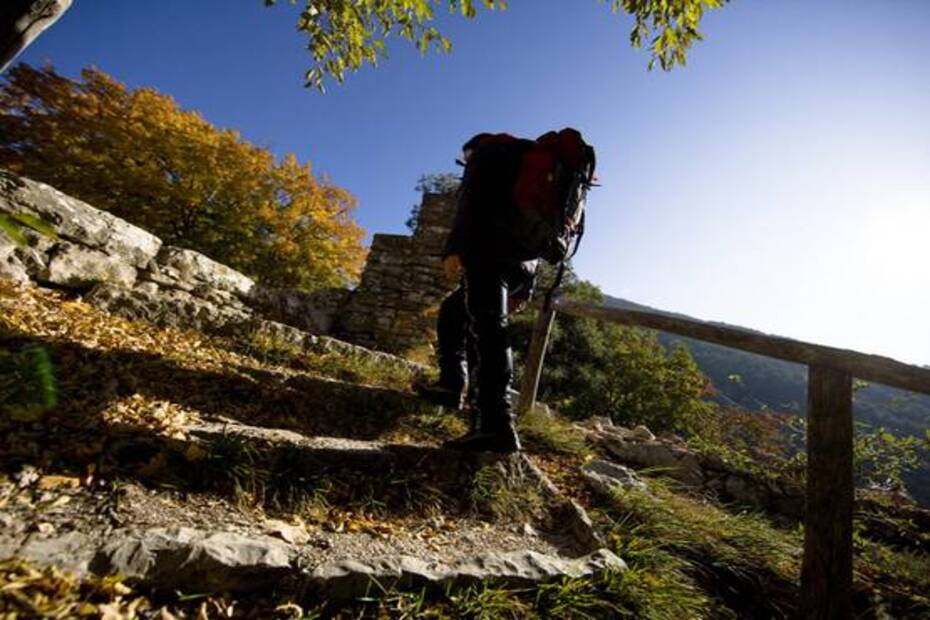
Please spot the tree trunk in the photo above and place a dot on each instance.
(21, 21)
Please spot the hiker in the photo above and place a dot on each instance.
(520, 200)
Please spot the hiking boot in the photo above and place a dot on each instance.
(504, 442)
(441, 395)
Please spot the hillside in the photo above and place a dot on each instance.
(294, 490)
(758, 383)
(168, 449)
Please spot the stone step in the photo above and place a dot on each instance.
(200, 561)
(515, 569)
(436, 518)
(281, 398)
(329, 407)
(286, 469)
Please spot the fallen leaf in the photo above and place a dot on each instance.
(195, 452)
(54, 482)
(291, 533)
(60, 501)
(46, 528)
(87, 609)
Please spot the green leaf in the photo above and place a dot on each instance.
(36, 223)
(12, 229)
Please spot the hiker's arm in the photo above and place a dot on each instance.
(522, 289)
(452, 266)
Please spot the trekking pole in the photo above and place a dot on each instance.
(532, 371)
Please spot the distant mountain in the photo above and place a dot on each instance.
(756, 382)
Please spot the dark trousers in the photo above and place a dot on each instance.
(473, 332)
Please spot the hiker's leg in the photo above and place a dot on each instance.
(486, 301)
(452, 328)
(487, 305)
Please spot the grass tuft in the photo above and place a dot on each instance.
(548, 432)
(497, 495)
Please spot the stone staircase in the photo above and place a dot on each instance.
(243, 473)
(220, 511)
(280, 479)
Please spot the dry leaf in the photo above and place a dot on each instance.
(53, 482)
(87, 609)
(195, 452)
(46, 528)
(290, 533)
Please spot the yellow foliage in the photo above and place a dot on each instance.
(138, 155)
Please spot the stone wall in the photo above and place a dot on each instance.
(126, 270)
(394, 307)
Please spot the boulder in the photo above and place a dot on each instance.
(187, 270)
(195, 560)
(314, 311)
(131, 243)
(166, 307)
(672, 461)
(641, 433)
(77, 221)
(34, 255)
(73, 266)
(11, 267)
(606, 478)
(72, 551)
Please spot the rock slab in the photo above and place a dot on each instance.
(352, 578)
(194, 560)
(606, 477)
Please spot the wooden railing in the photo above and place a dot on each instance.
(826, 572)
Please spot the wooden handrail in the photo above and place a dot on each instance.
(826, 575)
(860, 365)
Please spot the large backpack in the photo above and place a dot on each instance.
(536, 188)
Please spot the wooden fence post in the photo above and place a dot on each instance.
(826, 574)
(532, 369)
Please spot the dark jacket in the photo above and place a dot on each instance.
(482, 229)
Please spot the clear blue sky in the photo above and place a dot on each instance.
(779, 181)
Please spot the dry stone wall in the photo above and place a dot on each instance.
(395, 305)
(127, 271)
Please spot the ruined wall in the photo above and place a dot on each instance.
(394, 307)
(124, 269)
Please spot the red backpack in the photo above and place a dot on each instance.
(540, 186)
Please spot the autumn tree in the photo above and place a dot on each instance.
(346, 34)
(136, 154)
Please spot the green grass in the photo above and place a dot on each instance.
(430, 424)
(354, 367)
(496, 495)
(894, 580)
(737, 562)
(359, 368)
(550, 433)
